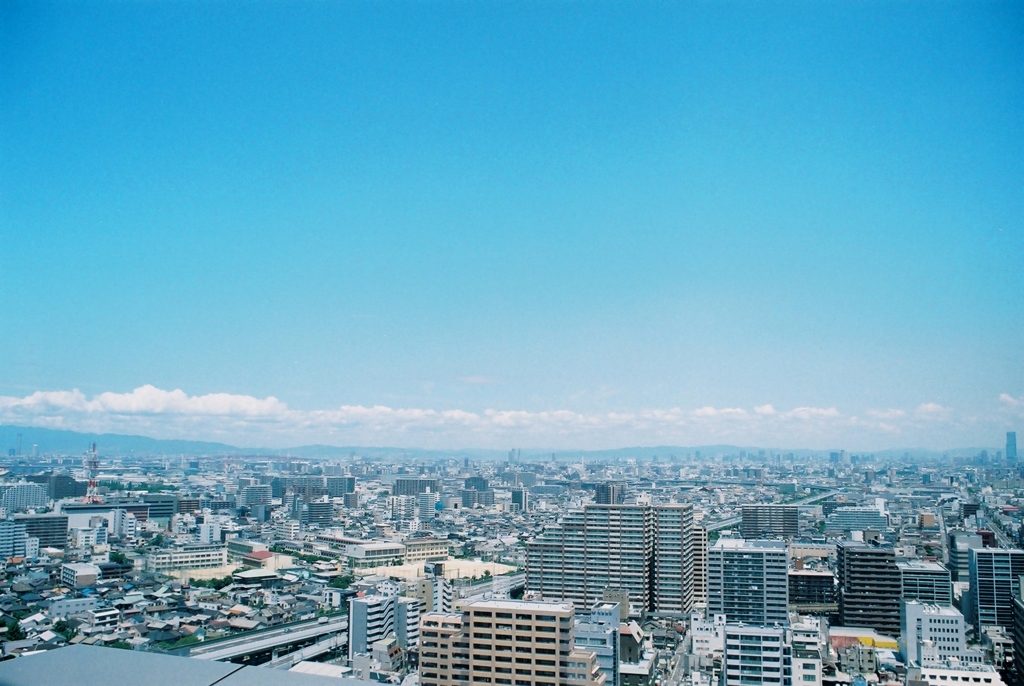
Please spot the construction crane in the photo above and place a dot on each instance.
(92, 468)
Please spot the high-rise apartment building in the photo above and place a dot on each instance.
(856, 518)
(319, 512)
(253, 496)
(642, 550)
(770, 521)
(994, 577)
(756, 655)
(377, 617)
(506, 643)
(925, 582)
(700, 566)
(338, 486)
(416, 485)
(50, 529)
(748, 581)
(12, 538)
(869, 587)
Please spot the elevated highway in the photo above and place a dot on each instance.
(267, 645)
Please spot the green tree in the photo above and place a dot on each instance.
(14, 631)
(120, 558)
(342, 582)
(64, 629)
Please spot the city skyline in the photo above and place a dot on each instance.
(484, 225)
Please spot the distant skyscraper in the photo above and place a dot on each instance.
(611, 493)
(1011, 446)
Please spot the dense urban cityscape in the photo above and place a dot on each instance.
(695, 569)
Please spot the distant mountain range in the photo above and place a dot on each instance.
(76, 443)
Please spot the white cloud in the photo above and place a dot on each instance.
(886, 414)
(1009, 401)
(247, 420)
(807, 413)
(933, 412)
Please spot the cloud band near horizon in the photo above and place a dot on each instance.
(270, 422)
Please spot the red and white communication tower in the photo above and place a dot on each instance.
(92, 468)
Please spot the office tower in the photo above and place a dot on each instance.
(525, 643)
(756, 655)
(700, 565)
(812, 591)
(925, 582)
(939, 627)
(520, 500)
(869, 587)
(59, 486)
(959, 544)
(161, 506)
(994, 577)
(475, 483)
(471, 498)
(610, 493)
(1011, 446)
(1018, 631)
(415, 485)
(338, 486)
(642, 550)
(50, 529)
(770, 521)
(748, 582)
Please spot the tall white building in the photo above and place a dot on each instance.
(209, 532)
(376, 617)
(757, 655)
(748, 581)
(22, 496)
(933, 632)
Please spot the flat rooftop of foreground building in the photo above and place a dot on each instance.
(83, 665)
(738, 543)
(525, 605)
(921, 565)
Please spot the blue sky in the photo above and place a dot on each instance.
(515, 224)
